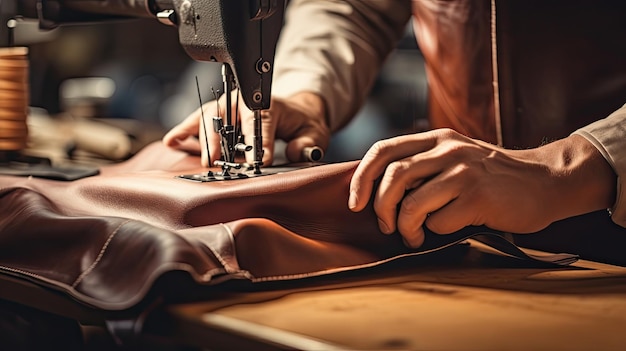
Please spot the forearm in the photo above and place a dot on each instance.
(335, 48)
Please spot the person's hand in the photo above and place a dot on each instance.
(299, 120)
(447, 181)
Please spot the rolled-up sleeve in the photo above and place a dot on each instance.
(335, 49)
(609, 136)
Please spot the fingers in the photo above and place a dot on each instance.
(303, 126)
(295, 148)
(403, 175)
(196, 126)
(454, 216)
(424, 178)
(428, 203)
(398, 177)
(448, 181)
(309, 136)
(188, 127)
(435, 199)
(299, 120)
(376, 160)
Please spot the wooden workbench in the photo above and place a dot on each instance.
(482, 301)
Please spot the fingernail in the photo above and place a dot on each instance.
(352, 200)
(383, 226)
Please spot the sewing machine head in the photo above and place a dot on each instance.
(240, 33)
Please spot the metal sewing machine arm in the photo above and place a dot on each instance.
(240, 33)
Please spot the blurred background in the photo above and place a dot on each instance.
(134, 75)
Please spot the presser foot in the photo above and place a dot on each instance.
(245, 172)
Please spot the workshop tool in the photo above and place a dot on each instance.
(242, 34)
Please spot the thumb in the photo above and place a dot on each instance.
(304, 126)
(176, 136)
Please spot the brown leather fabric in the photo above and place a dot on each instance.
(107, 240)
(561, 65)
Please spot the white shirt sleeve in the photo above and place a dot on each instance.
(609, 136)
(335, 49)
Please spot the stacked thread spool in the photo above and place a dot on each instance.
(14, 99)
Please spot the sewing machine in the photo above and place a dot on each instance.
(472, 300)
(242, 34)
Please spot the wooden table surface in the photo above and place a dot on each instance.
(475, 300)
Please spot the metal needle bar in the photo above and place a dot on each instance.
(258, 142)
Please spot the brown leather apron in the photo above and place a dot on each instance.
(555, 65)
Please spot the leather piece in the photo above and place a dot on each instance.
(109, 262)
(108, 240)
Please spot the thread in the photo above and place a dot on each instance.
(14, 99)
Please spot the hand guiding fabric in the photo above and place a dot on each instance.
(447, 181)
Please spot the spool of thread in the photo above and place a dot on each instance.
(14, 100)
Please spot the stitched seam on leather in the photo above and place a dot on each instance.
(336, 270)
(219, 257)
(99, 257)
(410, 254)
(333, 270)
(496, 78)
(34, 275)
